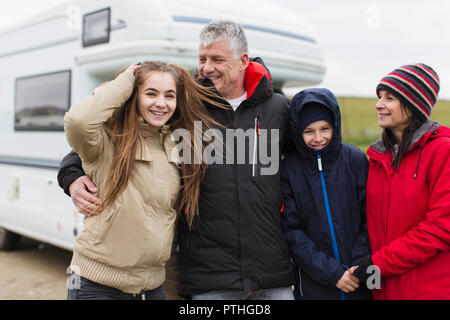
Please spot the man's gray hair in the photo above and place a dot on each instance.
(220, 30)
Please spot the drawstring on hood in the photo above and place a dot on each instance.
(434, 126)
(418, 161)
(421, 136)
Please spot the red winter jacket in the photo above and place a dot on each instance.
(408, 217)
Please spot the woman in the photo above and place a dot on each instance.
(123, 136)
(408, 190)
(323, 184)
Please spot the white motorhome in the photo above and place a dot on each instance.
(58, 57)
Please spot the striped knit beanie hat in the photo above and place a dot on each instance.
(416, 85)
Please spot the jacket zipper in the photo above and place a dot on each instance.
(255, 148)
(390, 173)
(330, 220)
(166, 200)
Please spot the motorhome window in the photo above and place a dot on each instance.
(42, 100)
(96, 27)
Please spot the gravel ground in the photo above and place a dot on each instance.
(35, 271)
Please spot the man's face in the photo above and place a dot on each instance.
(227, 72)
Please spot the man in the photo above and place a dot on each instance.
(235, 248)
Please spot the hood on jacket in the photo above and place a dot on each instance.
(258, 76)
(326, 98)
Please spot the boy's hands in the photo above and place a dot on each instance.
(348, 282)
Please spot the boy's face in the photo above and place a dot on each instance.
(317, 135)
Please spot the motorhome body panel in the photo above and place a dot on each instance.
(31, 202)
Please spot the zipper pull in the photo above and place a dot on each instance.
(319, 161)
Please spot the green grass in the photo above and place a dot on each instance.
(360, 121)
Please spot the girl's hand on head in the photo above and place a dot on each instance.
(132, 68)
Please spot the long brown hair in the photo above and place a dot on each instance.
(123, 128)
(389, 139)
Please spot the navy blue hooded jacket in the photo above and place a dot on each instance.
(305, 220)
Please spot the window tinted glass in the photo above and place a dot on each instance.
(42, 100)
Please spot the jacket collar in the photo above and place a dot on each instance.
(146, 131)
(419, 137)
(422, 134)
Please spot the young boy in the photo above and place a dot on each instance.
(324, 184)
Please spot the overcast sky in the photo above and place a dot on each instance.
(366, 39)
(363, 40)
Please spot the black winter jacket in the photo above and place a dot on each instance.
(236, 242)
(69, 170)
(305, 221)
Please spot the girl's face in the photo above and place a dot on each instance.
(391, 114)
(157, 98)
(317, 135)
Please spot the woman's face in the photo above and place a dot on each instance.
(391, 114)
(318, 134)
(157, 98)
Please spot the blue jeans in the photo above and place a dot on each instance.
(89, 290)
(285, 293)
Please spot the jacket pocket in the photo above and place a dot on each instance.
(106, 224)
